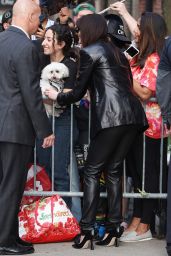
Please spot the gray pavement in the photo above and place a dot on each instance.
(154, 247)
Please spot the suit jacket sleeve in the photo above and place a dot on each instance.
(85, 71)
(163, 88)
(27, 68)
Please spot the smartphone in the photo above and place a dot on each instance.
(40, 26)
(132, 51)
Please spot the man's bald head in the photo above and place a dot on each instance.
(24, 7)
(26, 15)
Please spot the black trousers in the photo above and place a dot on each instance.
(107, 152)
(13, 174)
(168, 229)
(144, 208)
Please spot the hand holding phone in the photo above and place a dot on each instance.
(40, 26)
(40, 33)
(132, 51)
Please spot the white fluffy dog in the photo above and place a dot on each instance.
(53, 77)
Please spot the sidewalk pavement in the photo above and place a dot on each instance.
(154, 247)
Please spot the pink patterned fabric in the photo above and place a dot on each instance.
(147, 78)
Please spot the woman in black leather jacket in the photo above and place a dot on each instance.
(117, 117)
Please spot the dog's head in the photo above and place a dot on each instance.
(55, 72)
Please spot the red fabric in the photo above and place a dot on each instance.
(47, 220)
(148, 74)
(147, 78)
(43, 183)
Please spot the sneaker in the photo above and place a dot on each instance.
(133, 237)
(125, 233)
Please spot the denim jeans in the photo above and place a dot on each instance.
(75, 187)
(61, 153)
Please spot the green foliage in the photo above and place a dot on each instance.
(167, 12)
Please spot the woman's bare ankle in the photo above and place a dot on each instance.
(142, 228)
(134, 224)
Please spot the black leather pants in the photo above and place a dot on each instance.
(107, 152)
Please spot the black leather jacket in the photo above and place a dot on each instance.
(112, 100)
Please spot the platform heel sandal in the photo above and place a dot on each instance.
(84, 240)
(111, 237)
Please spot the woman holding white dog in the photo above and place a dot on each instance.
(117, 117)
(57, 45)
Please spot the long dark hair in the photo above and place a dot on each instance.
(62, 33)
(153, 31)
(93, 28)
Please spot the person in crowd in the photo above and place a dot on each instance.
(150, 32)
(23, 117)
(44, 17)
(6, 19)
(117, 117)
(116, 31)
(82, 109)
(118, 37)
(44, 21)
(163, 93)
(82, 10)
(57, 45)
(64, 17)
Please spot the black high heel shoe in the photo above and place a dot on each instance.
(111, 238)
(84, 240)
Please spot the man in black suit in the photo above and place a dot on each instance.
(163, 94)
(22, 118)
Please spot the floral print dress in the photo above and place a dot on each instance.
(147, 78)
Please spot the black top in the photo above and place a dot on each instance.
(69, 82)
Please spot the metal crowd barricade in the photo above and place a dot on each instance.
(142, 194)
(71, 193)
